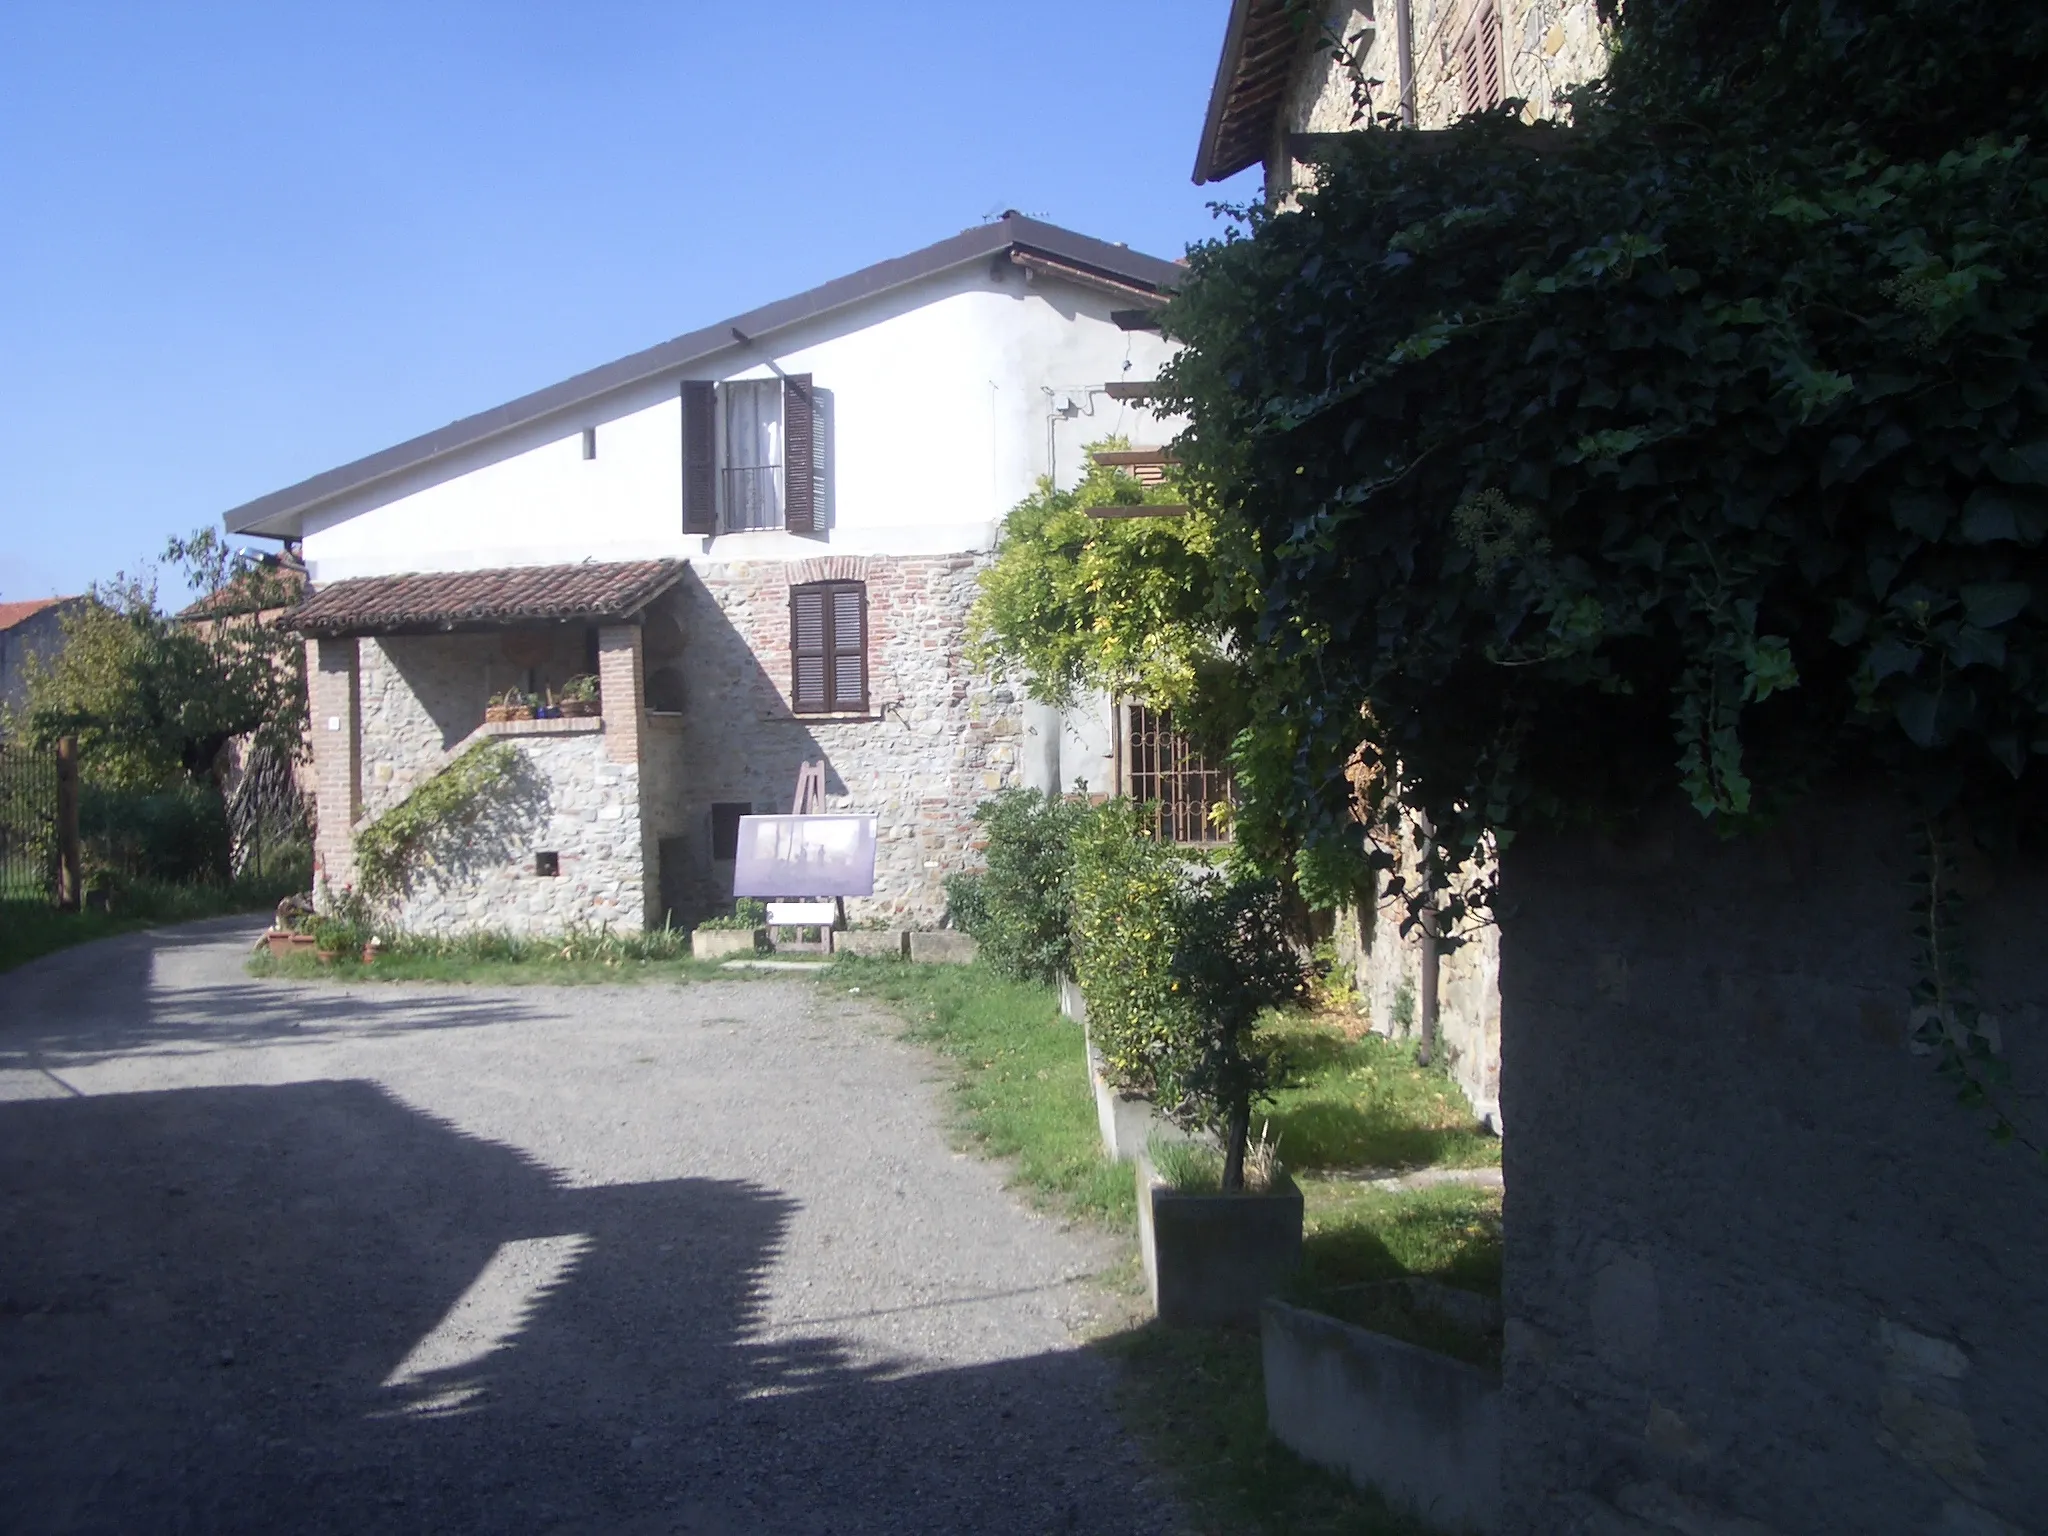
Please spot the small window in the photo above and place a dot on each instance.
(1479, 65)
(828, 647)
(725, 829)
(547, 864)
(1174, 781)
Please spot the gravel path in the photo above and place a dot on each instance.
(638, 1259)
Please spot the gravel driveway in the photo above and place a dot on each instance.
(642, 1259)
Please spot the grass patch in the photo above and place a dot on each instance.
(1021, 1080)
(579, 958)
(29, 929)
(1195, 1396)
(1358, 1101)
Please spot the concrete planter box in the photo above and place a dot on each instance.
(943, 947)
(887, 944)
(1210, 1260)
(717, 943)
(1072, 1003)
(1419, 1427)
(1128, 1124)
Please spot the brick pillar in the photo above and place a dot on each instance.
(621, 688)
(334, 702)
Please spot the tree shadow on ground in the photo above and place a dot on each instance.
(312, 1308)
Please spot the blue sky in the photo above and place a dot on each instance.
(242, 243)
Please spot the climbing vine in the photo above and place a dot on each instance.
(389, 849)
(1699, 445)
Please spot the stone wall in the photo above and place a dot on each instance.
(1547, 46)
(1761, 1266)
(570, 799)
(1388, 966)
(938, 738)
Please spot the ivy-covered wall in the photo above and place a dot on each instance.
(1760, 1265)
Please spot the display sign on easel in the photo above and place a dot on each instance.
(814, 856)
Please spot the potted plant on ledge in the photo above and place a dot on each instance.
(579, 697)
(743, 933)
(1213, 1251)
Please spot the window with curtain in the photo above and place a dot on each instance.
(752, 472)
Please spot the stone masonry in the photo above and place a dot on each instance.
(1764, 1273)
(937, 740)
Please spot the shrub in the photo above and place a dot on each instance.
(1124, 884)
(746, 913)
(1021, 910)
(176, 835)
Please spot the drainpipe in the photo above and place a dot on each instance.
(1404, 59)
(1425, 991)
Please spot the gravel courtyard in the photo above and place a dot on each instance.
(277, 1257)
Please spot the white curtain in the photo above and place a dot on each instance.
(753, 454)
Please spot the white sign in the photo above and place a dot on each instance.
(789, 856)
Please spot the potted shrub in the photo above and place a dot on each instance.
(742, 933)
(1213, 1252)
(509, 705)
(579, 697)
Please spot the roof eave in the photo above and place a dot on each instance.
(1219, 95)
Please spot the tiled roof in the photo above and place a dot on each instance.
(271, 585)
(439, 600)
(12, 614)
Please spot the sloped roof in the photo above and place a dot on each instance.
(250, 591)
(278, 514)
(1264, 43)
(12, 614)
(448, 600)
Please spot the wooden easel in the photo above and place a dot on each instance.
(810, 801)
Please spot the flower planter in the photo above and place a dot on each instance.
(1421, 1428)
(1128, 1122)
(1210, 1260)
(717, 943)
(944, 946)
(327, 956)
(496, 714)
(519, 712)
(278, 941)
(578, 709)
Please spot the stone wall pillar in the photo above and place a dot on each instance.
(334, 703)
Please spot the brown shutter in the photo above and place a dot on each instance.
(1489, 55)
(850, 646)
(801, 512)
(809, 650)
(700, 456)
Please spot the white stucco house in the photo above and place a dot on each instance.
(762, 538)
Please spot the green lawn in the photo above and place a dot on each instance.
(591, 956)
(1343, 1105)
(32, 928)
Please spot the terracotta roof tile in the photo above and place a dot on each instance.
(12, 614)
(439, 600)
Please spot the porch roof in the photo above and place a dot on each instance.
(429, 601)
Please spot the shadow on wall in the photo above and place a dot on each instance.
(310, 1307)
(729, 739)
(497, 832)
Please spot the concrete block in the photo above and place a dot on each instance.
(1128, 1125)
(1072, 1003)
(1210, 1260)
(1421, 1428)
(886, 944)
(717, 943)
(943, 947)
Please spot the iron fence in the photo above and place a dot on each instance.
(28, 823)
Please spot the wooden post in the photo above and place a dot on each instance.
(70, 864)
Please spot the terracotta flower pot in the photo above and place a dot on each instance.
(278, 941)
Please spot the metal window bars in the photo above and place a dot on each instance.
(1172, 779)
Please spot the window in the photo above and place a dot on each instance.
(725, 828)
(754, 456)
(1169, 775)
(828, 647)
(1479, 72)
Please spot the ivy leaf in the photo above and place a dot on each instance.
(1923, 512)
(1890, 657)
(1974, 647)
(1989, 604)
(1991, 517)
(2024, 465)
(1915, 711)
(1770, 669)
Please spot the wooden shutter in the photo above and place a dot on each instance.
(1479, 62)
(850, 646)
(809, 651)
(700, 456)
(803, 508)
(828, 647)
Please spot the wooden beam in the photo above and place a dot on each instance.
(1132, 458)
(1134, 319)
(1157, 509)
(1130, 391)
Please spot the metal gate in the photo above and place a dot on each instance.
(28, 822)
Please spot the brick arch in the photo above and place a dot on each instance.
(828, 568)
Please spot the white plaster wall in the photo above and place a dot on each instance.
(949, 400)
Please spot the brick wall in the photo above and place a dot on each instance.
(1764, 1273)
(938, 740)
(334, 709)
